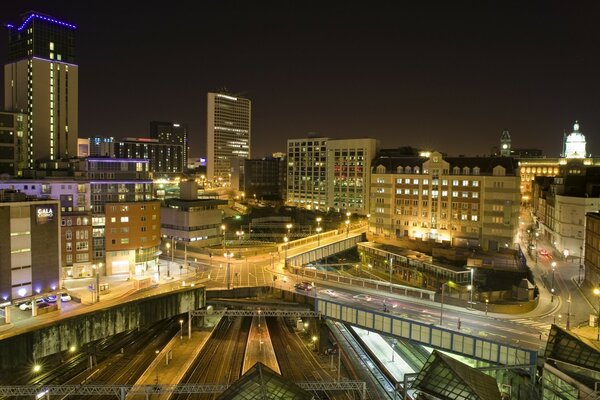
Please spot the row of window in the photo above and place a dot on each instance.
(435, 193)
(69, 221)
(143, 218)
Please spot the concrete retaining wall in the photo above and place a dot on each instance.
(81, 329)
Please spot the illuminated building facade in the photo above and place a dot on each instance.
(41, 79)
(591, 249)
(173, 133)
(560, 204)
(191, 220)
(29, 246)
(132, 235)
(469, 201)
(574, 147)
(14, 128)
(164, 158)
(228, 130)
(326, 173)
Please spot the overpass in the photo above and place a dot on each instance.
(429, 335)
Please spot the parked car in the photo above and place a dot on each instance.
(364, 297)
(28, 306)
(65, 297)
(51, 298)
(330, 292)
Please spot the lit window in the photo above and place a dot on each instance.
(124, 219)
(52, 46)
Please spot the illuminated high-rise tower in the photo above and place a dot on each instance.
(41, 80)
(228, 134)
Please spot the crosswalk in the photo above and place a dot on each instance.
(539, 325)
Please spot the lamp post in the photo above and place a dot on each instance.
(597, 293)
(347, 227)
(580, 278)
(442, 305)
(471, 287)
(285, 241)
(180, 329)
(228, 257)
(240, 235)
(552, 286)
(319, 231)
(368, 223)
(486, 306)
(224, 228)
(569, 312)
(391, 270)
(289, 228)
(168, 245)
(98, 282)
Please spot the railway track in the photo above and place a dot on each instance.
(221, 359)
(303, 366)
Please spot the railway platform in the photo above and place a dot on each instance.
(260, 347)
(173, 361)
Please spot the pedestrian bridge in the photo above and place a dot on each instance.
(430, 335)
(325, 250)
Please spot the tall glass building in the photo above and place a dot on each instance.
(228, 133)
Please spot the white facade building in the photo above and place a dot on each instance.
(326, 173)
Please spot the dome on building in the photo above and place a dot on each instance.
(574, 144)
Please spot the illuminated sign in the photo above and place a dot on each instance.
(44, 214)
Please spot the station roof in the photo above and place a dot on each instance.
(572, 349)
(260, 383)
(446, 378)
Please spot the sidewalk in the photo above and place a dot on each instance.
(181, 353)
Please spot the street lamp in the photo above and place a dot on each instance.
(368, 222)
(314, 339)
(228, 257)
(471, 287)
(552, 286)
(442, 305)
(98, 282)
(580, 280)
(285, 241)
(597, 293)
(289, 228)
(224, 228)
(347, 227)
(486, 306)
(180, 329)
(319, 231)
(240, 235)
(168, 245)
(391, 270)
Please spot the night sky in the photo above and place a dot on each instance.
(448, 76)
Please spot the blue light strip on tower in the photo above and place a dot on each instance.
(54, 21)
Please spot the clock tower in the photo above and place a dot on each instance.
(505, 144)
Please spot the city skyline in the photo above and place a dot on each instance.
(449, 78)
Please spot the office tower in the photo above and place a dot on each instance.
(326, 173)
(228, 130)
(172, 133)
(41, 80)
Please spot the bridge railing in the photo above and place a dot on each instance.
(381, 286)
